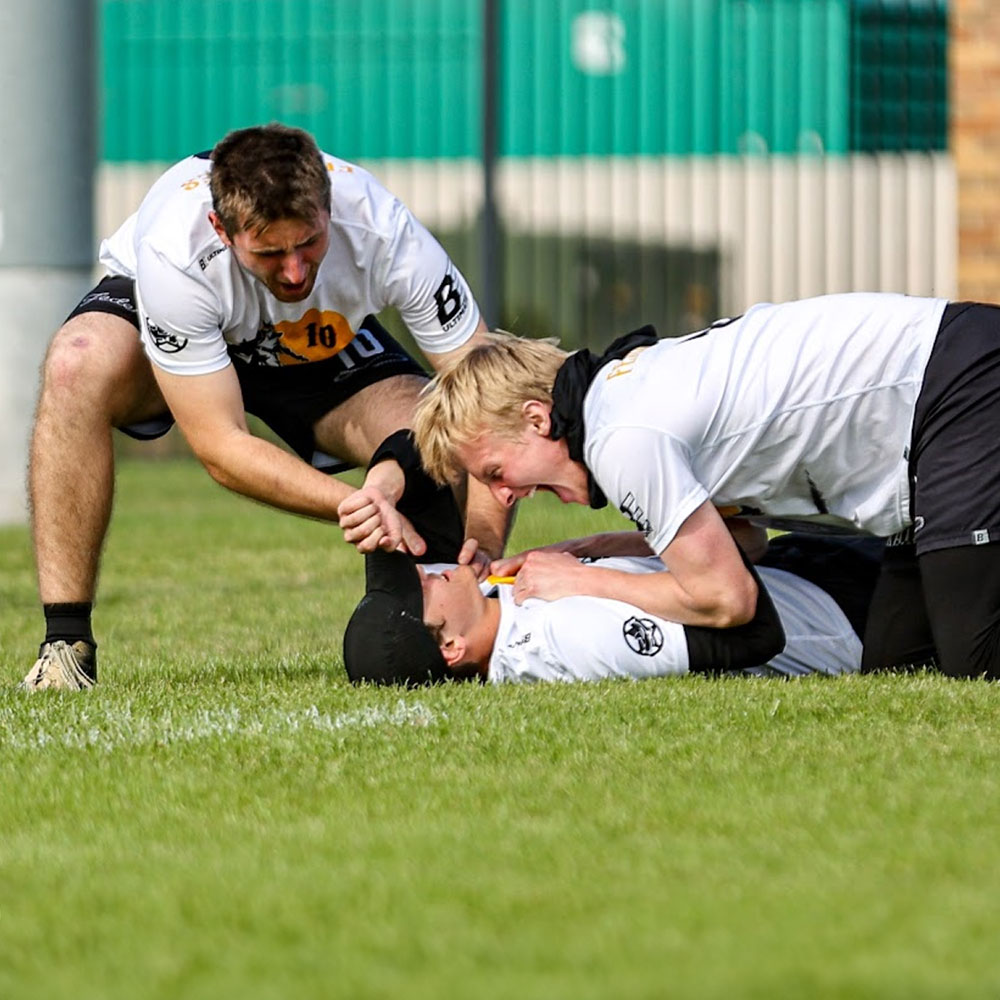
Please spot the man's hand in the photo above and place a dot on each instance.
(471, 555)
(599, 546)
(549, 576)
(370, 521)
(511, 565)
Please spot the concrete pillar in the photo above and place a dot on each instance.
(48, 129)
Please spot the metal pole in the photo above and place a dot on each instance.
(492, 249)
(47, 122)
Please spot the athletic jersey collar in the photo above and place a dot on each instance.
(572, 382)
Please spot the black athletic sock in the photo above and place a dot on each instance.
(69, 622)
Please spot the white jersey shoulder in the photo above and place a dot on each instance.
(801, 410)
(197, 304)
(173, 215)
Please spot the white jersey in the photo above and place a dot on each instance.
(195, 300)
(594, 638)
(802, 410)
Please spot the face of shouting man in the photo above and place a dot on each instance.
(514, 468)
(285, 256)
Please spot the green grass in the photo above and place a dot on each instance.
(225, 817)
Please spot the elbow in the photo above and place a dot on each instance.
(734, 608)
(731, 616)
(749, 644)
(216, 470)
(218, 453)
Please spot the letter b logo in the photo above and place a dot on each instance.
(448, 301)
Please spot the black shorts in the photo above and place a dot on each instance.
(955, 446)
(290, 399)
(114, 294)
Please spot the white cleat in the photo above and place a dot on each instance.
(63, 666)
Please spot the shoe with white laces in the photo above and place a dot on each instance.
(63, 666)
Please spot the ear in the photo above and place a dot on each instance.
(538, 416)
(453, 650)
(220, 229)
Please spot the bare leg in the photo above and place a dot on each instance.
(360, 424)
(95, 376)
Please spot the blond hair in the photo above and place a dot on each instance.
(485, 389)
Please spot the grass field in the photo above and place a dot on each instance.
(225, 817)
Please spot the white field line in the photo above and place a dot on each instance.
(115, 729)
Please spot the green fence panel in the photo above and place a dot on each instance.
(899, 75)
(675, 77)
(401, 78)
(379, 78)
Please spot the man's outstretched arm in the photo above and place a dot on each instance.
(209, 411)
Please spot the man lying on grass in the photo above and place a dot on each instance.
(426, 624)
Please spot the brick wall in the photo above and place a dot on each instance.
(975, 141)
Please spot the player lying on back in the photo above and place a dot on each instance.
(426, 624)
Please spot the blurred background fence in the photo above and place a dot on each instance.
(662, 161)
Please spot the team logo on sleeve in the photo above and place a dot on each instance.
(167, 342)
(203, 262)
(631, 509)
(643, 636)
(451, 303)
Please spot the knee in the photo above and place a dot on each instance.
(976, 655)
(962, 596)
(85, 366)
(74, 361)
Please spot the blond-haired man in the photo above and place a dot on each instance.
(872, 413)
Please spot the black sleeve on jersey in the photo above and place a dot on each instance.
(722, 650)
(401, 447)
(432, 509)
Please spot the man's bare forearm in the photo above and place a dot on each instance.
(264, 472)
